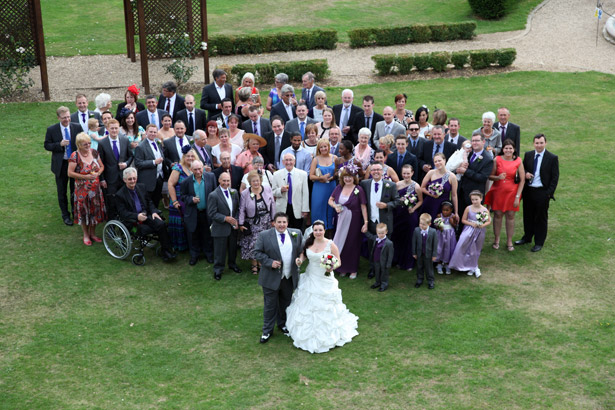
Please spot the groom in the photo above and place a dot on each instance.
(276, 249)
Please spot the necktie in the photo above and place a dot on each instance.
(69, 151)
(503, 131)
(387, 129)
(472, 157)
(400, 160)
(437, 149)
(135, 199)
(83, 116)
(205, 156)
(290, 190)
(277, 149)
(155, 146)
(153, 120)
(424, 242)
(255, 126)
(367, 122)
(302, 129)
(346, 115)
(225, 121)
(282, 237)
(191, 124)
(168, 107)
(376, 188)
(226, 193)
(413, 143)
(307, 98)
(181, 141)
(116, 151)
(536, 163)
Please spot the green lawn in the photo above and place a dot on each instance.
(73, 27)
(81, 330)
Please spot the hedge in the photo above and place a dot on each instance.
(491, 9)
(266, 43)
(416, 33)
(394, 64)
(265, 73)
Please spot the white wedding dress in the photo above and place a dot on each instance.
(317, 319)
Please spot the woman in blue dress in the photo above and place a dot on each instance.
(322, 174)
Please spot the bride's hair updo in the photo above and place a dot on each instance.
(310, 240)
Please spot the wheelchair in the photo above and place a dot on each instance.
(120, 239)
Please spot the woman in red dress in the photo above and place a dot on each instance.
(505, 194)
(85, 167)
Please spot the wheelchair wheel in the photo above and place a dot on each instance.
(117, 240)
(138, 259)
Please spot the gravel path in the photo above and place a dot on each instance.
(560, 36)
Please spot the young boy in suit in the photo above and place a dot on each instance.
(424, 250)
(381, 256)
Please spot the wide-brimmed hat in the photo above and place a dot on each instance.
(261, 141)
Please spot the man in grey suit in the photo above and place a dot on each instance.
(152, 115)
(344, 113)
(298, 124)
(508, 129)
(194, 192)
(149, 161)
(277, 249)
(223, 210)
(203, 150)
(173, 147)
(382, 198)
(83, 114)
(475, 172)
(116, 156)
(309, 89)
(256, 124)
(424, 250)
(387, 126)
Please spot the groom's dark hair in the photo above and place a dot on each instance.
(280, 215)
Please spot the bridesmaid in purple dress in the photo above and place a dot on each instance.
(432, 201)
(466, 254)
(405, 219)
(349, 201)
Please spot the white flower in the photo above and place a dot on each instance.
(203, 46)
(251, 195)
(21, 50)
(186, 35)
(172, 17)
(356, 191)
(293, 234)
(170, 41)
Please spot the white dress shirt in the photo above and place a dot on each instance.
(536, 181)
(229, 200)
(221, 91)
(171, 104)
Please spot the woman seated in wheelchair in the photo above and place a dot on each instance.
(135, 207)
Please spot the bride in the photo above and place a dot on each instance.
(317, 319)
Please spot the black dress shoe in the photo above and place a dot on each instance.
(265, 338)
(235, 269)
(536, 248)
(430, 286)
(217, 275)
(68, 222)
(418, 284)
(375, 285)
(521, 242)
(193, 260)
(371, 274)
(284, 330)
(382, 289)
(210, 259)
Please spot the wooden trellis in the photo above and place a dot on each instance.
(21, 35)
(166, 29)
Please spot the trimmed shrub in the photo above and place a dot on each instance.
(416, 33)
(266, 43)
(490, 9)
(420, 33)
(265, 73)
(460, 58)
(462, 31)
(422, 61)
(440, 32)
(405, 62)
(482, 58)
(506, 57)
(359, 37)
(386, 64)
(440, 60)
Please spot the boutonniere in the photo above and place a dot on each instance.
(293, 234)
(480, 157)
(356, 191)
(386, 184)
(233, 192)
(90, 115)
(251, 195)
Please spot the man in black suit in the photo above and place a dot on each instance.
(453, 135)
(431, 148)
(309, 89)
(149, 160)
(152, 115)
(194, 192)
(222, 117)
(199, 144)
(214, 93)
(277, 141)
(397, 160)
(135, 207)
(83, 114)
(508, 129)
(234, 171)
(172, 147)
(415, 142)
(285, 109)
(60, 140)
(344, 113)
(194, 118)
(368, 118)
(475, 172)
(170, 101)
(541, 178)
(116, 156)
(256, 124)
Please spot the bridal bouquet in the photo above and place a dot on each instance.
(409, 199)
(328, 262)
(435, 189)
(438, 223)
(482, 217)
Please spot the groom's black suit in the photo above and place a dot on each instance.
(277, 291)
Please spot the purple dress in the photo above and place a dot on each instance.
(432, 205)
(466, 254)
(403, 227)
(446, 241)
(348, 223)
